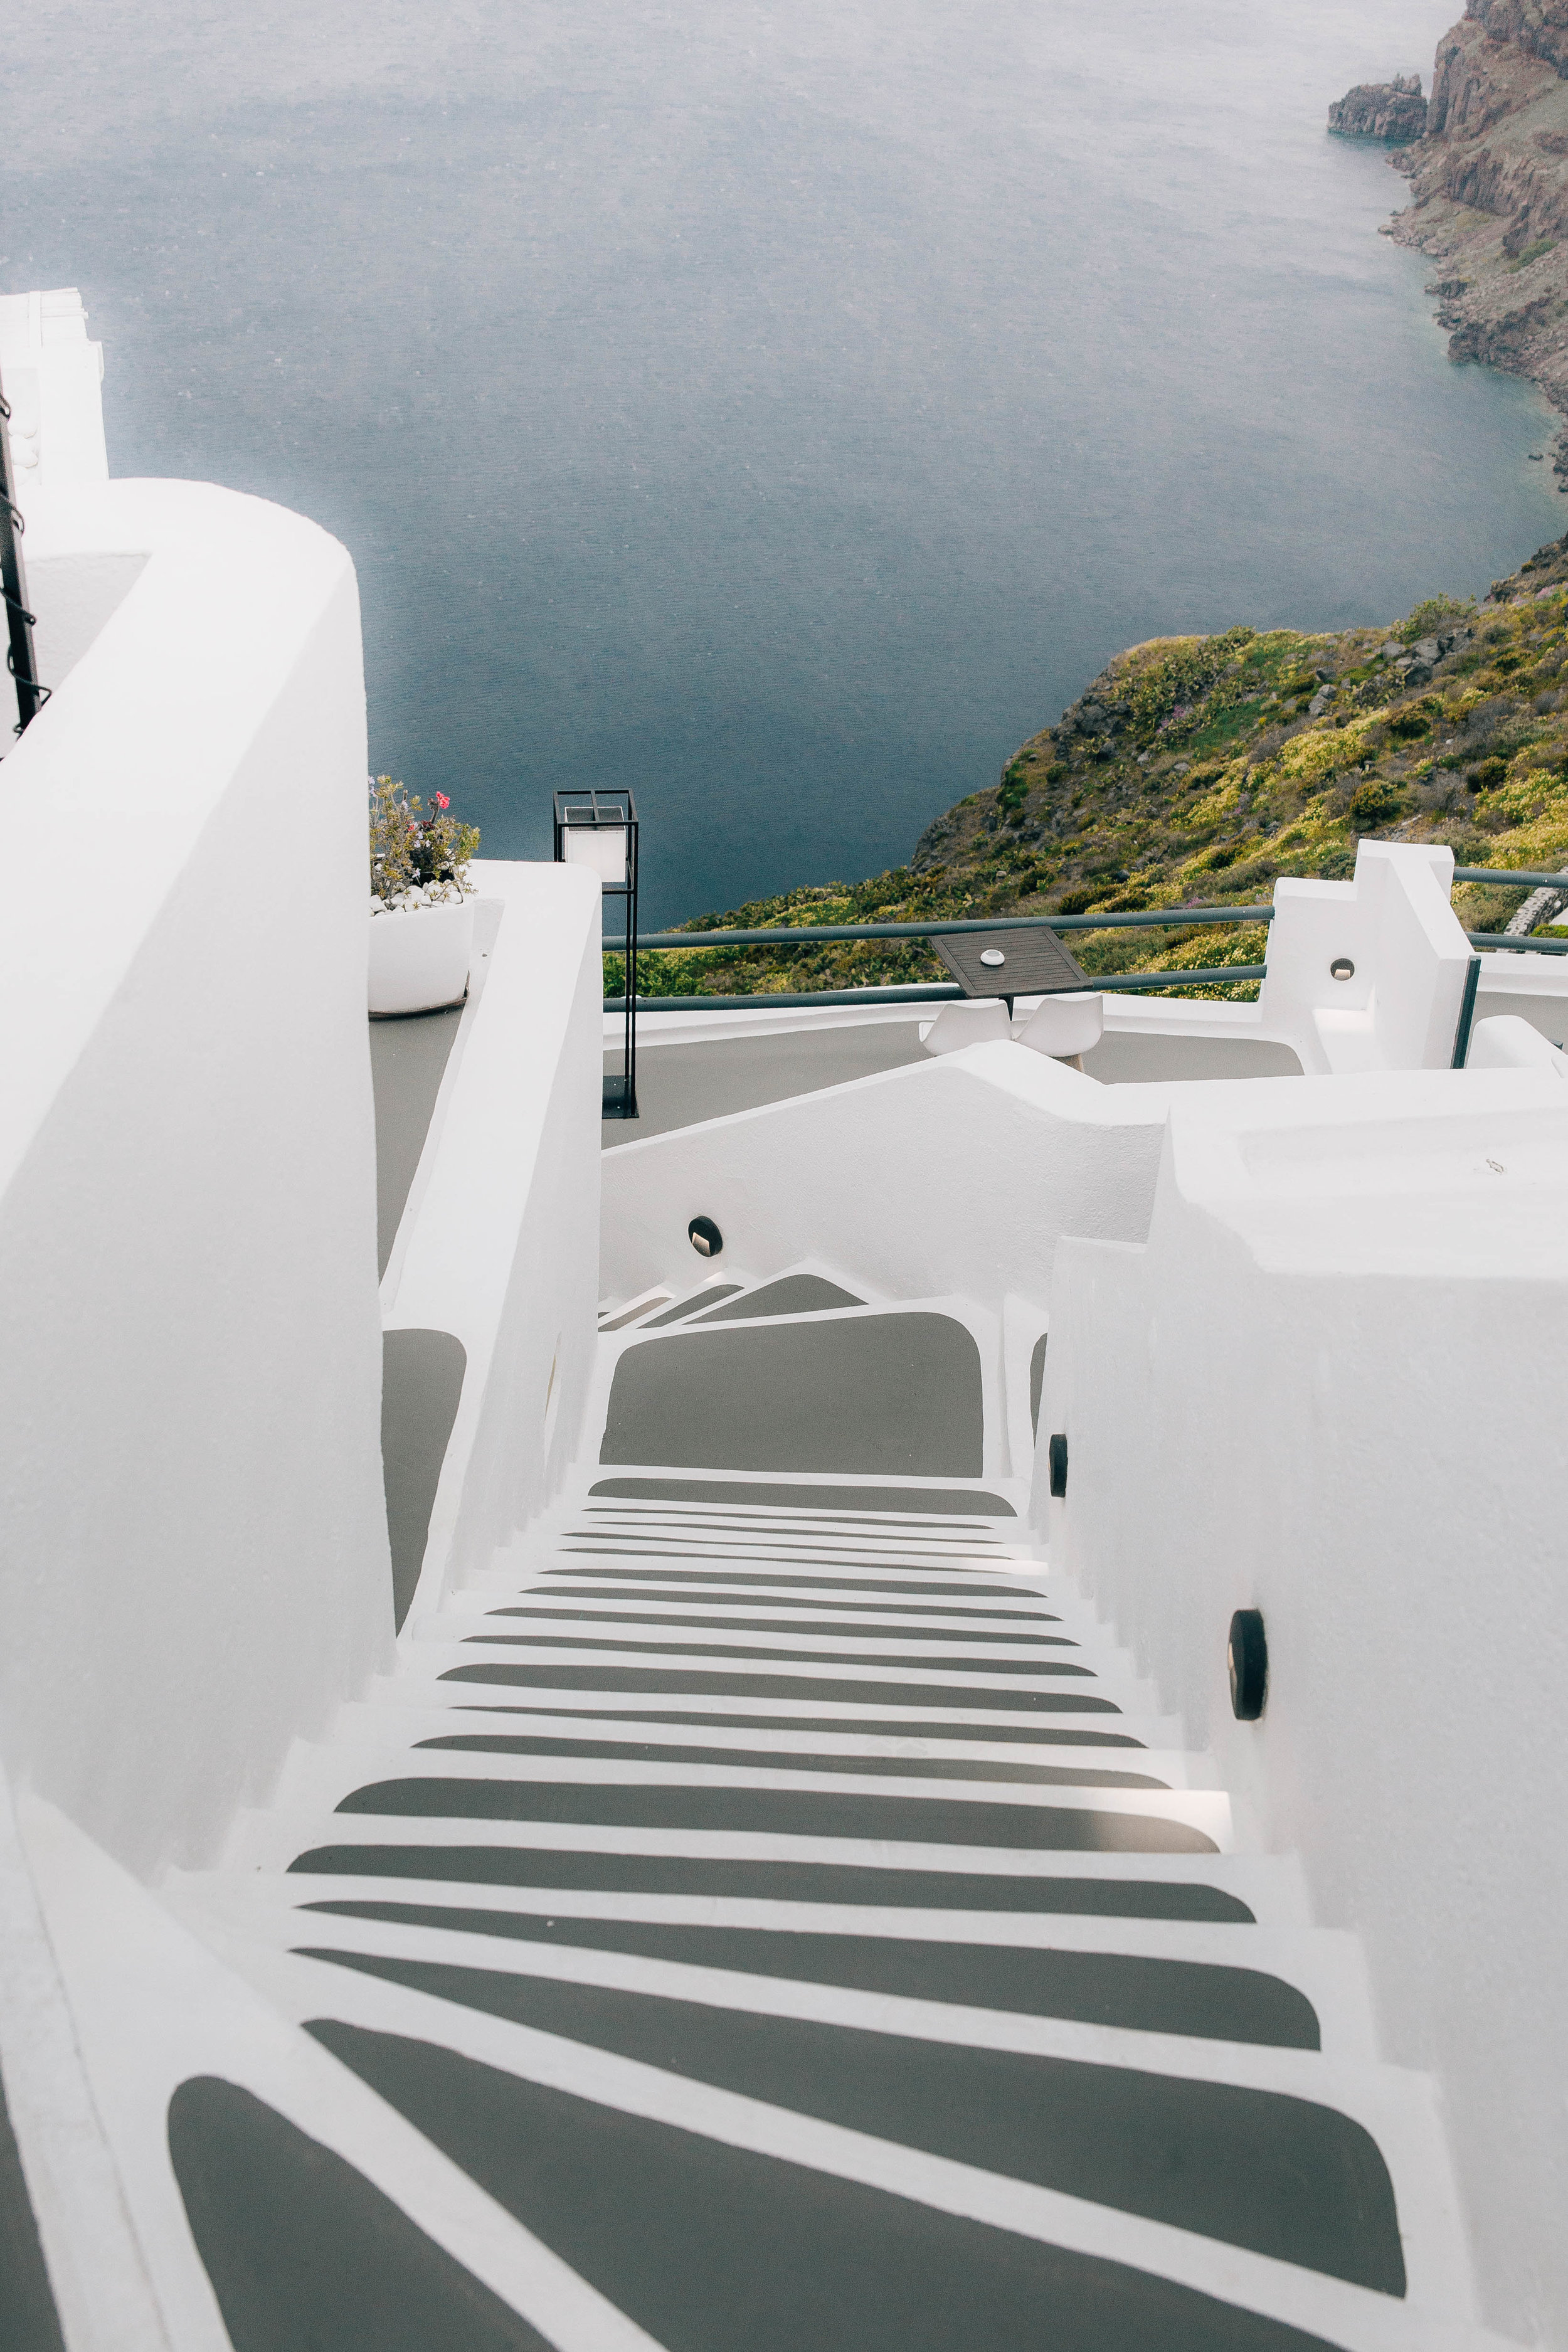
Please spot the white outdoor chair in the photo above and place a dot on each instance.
(1064, 1028)
(976, 1021)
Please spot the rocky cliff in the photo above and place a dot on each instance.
(1488, 179)
(1395, 110)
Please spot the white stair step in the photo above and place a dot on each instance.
(1356, 2089)
(324, 1776)
(273, 1839)
(1324, 1965)
(365, 1729)
(414, 1692)
(1437, 2315)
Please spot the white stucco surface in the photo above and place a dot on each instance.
(499, 1242)
(1397, 1007)
(195, 1566)
(52, 375)
(1317, 1390)
(957, 1174)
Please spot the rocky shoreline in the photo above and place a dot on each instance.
(1488, 184)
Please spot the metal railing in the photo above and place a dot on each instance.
(807, 935)
(800, 934)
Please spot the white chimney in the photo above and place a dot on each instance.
(51, 376)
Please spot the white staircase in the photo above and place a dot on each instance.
(766, 1912)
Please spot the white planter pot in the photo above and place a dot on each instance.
(419, 957)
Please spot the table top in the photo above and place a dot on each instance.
(1030, 962)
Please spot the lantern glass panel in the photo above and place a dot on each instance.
(601, 848)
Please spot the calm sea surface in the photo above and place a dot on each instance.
(783, 409)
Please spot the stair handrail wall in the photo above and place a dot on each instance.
(1316, 1390)
(502, 1240)
(953, 1176)
(196, 1568)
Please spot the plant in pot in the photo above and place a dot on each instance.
(421, 919)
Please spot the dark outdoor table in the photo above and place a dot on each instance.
(1033, 963)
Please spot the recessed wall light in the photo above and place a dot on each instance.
(1247, 1662)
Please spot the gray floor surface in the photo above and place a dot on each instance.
(681, 1085)
(882, 1396)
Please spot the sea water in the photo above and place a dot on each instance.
(782, 409)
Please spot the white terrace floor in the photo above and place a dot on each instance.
(683, 1079)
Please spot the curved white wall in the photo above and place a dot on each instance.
(194, 1563)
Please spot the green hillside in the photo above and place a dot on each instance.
(1195, 769)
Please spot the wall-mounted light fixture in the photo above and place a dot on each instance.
(1246, 1660)
(1057, 1456)
(598, 830)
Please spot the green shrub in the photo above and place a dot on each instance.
(1078, 902)
(1375, 802)
(1431, 615)
(1485, 773)
(1183, 675)
(1409, 726)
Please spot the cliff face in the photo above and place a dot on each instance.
(1395, 110)
(1489, 188)
(1195, 769)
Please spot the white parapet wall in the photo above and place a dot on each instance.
(500, 1242)
(954, 1175)
(1323, 1389)
(195, 1564)
(1368, 974)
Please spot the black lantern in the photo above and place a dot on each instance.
(599, 830)
(19, 658)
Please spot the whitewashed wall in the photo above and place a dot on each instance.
(1398, 1007)
(501, 1240)
(194, 1564)
(1324, 1388)
(956, 1174)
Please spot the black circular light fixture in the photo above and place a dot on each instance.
(705, 1237)
(1247, 1656)
(1341, 968)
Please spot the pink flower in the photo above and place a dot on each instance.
(440, 800)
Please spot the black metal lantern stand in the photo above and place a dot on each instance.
(19, 658)
(599, 830)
